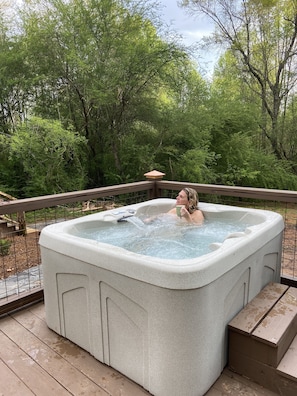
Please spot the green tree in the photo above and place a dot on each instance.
(46, 158)
(186, 133)
(236, 115)
(13, 73)
(97, 65)
(14, 97)
(262, 36)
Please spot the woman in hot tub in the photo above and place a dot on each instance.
(187, 206)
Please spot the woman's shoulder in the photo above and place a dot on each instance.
(198, 216)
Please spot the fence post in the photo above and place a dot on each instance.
(154, 175)
(21, 219)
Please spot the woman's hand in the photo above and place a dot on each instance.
(184, 213)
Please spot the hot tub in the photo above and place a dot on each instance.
(161, 322)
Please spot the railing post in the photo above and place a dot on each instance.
(154, 175)
(21, 219)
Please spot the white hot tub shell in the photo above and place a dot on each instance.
(162, 323)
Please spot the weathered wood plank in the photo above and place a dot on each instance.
(233, 191)
(230, 383)
(288, 364)
(29, 371)
(252, 314)
(35, 203)
(52, 363)
(38, 310)
(106, 377)
(17, 301)
(281, 318)
(11, 384)
(26, 368)
(46, 201)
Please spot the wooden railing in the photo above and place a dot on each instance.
(47, 201)
(150, 188)
(231, 191)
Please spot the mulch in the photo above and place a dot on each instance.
(23, 254)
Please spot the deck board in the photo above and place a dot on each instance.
(107, 378)
(12, 385)
(50, 364)
(34, 360)
(24, 367)
(247, 320)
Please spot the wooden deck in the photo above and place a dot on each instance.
(36, 361)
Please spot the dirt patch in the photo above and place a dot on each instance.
(289, 258)
(23, 254)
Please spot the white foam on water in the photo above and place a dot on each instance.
(164, 237)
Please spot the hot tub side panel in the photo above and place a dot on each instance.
(171, 342)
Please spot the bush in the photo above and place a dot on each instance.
(4, 247)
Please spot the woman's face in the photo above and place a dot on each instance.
(182, 198)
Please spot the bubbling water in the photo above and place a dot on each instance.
(165, 237)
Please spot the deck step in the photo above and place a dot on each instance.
(263, 341)
(288, 364)
(252, 314)
(265, 328)
(279, 327)
(6, 228)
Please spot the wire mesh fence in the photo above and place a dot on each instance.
(20, 261)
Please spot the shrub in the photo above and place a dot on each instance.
(4, 247)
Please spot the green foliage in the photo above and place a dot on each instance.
(273, 173)
(129, 101)
(195, 166)
(108, 64)
(49, 158)
(237, 139)
(4, 162)
(261, 36)
(13, 94)
(243, 165)
(4, 246)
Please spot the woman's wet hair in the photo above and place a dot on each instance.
(192, 198)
